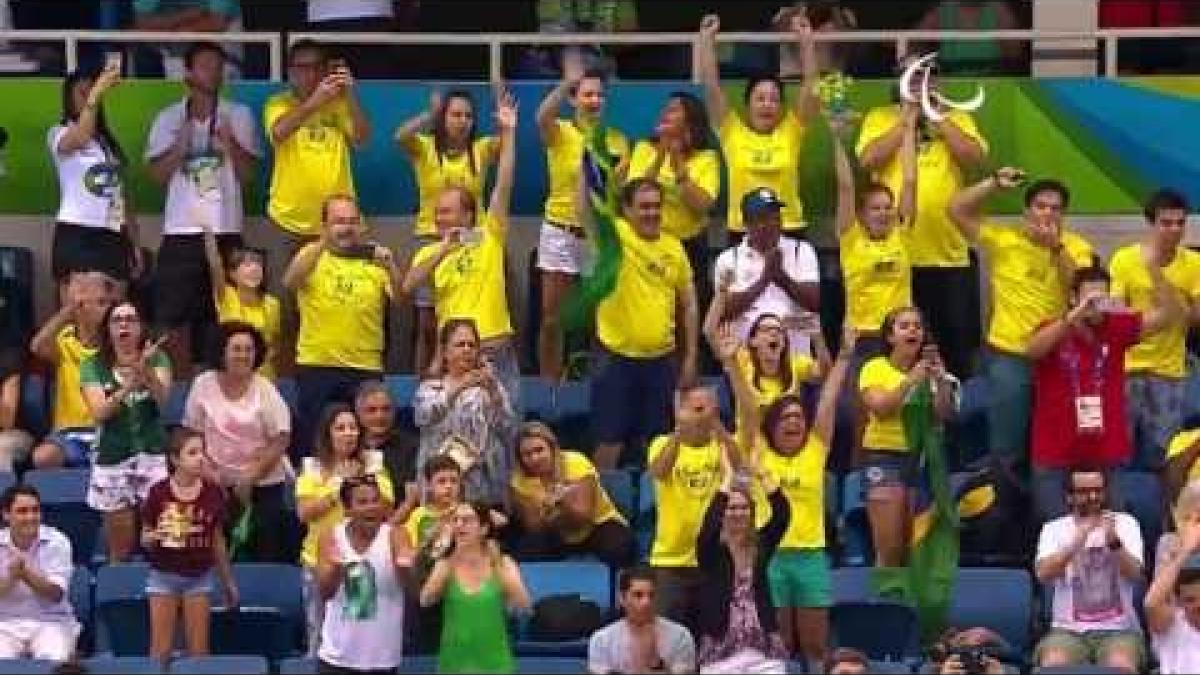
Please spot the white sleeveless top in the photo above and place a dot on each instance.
(364, 620)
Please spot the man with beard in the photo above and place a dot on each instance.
(202, 149)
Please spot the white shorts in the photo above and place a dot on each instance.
(123, 486)
(560, 251)
(45, 640)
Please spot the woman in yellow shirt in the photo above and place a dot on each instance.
(762, 147)
(885, 383)
(338, 455)
(680, 157)
(450, 154)
(561, 248)
(239, 287)
(876, 269)
(561, 506)
(781, 443)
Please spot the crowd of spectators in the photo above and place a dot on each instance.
(416, 530)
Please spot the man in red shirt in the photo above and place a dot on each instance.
(1079, 381)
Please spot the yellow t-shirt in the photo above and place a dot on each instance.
(422, 524)
(756, 160)
(70, 410)
(1026, 287)
(314, 485)
(883, 433)
(1163, 353)
(469, 282)
(310, 165)
(575, 467)
(435, 174)
(1180, 444)
(638, 318)
(768, 389)
(264, 316)
(934, 239)
(564, 161)
(802, 479)
(703, 167)
(343, 308)
(877, 274)
(681, 501)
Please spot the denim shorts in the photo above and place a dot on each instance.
(159, 582)
(882, 468)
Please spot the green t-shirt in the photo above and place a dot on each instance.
(137, 428)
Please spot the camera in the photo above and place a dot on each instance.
(973, 659)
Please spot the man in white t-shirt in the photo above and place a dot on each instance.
(772, 274)
(1173, 606)
(36, 619)
(642, 641)
(202, 149)
(361, 576)
(1091, 558)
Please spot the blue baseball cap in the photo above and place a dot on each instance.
(759, 201)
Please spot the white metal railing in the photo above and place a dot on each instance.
(495, 42)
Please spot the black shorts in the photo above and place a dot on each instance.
(78, 248)
(183, 293)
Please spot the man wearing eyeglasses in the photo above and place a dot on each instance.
(1091, 558)
(312, 126)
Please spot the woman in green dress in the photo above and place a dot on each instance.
(476, 585)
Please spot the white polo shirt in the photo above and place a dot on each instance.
(51, 557)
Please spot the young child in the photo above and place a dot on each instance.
(182, 519)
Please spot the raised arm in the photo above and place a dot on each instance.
(419, 272)
(1049, 336)
(506, 167)
(301, 268)
(291, 120)
(966, 150)
(664, 462)
(360, 129)
(1166, 308)
(966, 207)
(844, 216)
(725, 345)
(212, 255)
(826, 414)
(406, 134)
(708, 69)
(1160, 598)
(879, 152)
(44, 344)
(907, 205)
(81, 132)
(547, 112)
(806, 104)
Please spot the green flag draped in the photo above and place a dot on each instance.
(599, 167)
(928, 581)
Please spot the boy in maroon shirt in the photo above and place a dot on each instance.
(1079, 382)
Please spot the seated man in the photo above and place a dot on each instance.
(641, 641)
(377, 416)
(69, 337)
(1091, 558)
(974, 650)
(36, 619)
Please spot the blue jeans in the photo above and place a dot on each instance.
(1155, 408)
(1010, 389)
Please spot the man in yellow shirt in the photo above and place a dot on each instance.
(342, 283)
(1031, 269)
(688, 467)
(466, 268)
(944, 283)
(1156, 368)
(312, 127)
(640, 361)
(69, 337)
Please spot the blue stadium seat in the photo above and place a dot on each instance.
(588, 579)
(573, 414)
(618, 483)
(402, 388)
(997, 598)
(550, 665)
(217, 665)
(173, 412)
(854, 528)
(64, 506)
(1142, 493)
(7, 480)
(1080, 669)
(117, 665)
(537, 397)
(35, 404)
(889, 668)
(298, 666)
(122, 618)
(79, 593)
(270, 618)
(27, 667)
(882, 630)
(643, 524)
